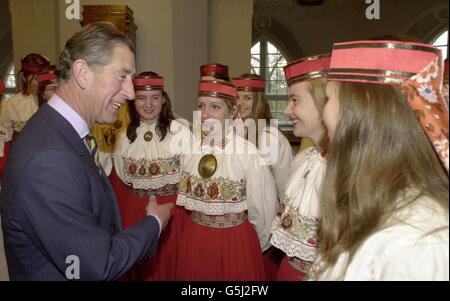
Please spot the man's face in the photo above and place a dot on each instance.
(49, 91)
(111, 86)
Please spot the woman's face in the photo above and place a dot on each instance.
(213, 110)
(245, 103)
(302, 110)
(49, 91)
(33, 84)
(331, 109)
(149, 104)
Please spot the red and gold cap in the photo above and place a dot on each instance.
(307, 68)
(2, 87)
(379, 62)
(148, 83)
(28, 68)
(47, 78)
(217, 89)
(249, 84)
(214, 70)
(416, 67)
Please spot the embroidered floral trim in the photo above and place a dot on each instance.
(213, 189)
(169, 189)
(152, 174)
(426, 96)
(314, 271)
(214, 196)
(298, 238)
(429, 74)
(219, 221)
(427, 92)
(17, 125)
(300, 265)
(210, 208)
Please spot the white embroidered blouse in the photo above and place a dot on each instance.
(242, 181)
(150, 164)
(275, 148)
(294, 230)
(18, 110)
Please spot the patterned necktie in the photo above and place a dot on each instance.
(90, 140)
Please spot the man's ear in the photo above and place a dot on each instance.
(81, 73)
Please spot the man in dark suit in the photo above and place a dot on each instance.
(60, 217)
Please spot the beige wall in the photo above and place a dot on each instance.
(229, 34)
(6, 52)
(190, 48)
(154, 43)
(32, 24)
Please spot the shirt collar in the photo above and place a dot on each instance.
(77, 122)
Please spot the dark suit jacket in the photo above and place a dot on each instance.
(55, 203)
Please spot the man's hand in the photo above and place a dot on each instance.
(161, 211)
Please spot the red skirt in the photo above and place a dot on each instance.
(3, 159)
(288, 273)
(219, 254)
(161, 266)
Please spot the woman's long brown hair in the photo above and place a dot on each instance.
(378, 152)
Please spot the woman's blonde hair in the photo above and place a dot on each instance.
(318, 88)
(378, 152)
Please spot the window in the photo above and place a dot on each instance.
(10, 83)
(441, 42)
(268, 61)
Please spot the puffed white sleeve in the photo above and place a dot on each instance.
(5, 132)
(419, 262)
(281, 168)
(261, 198)
(119, 165)
(401, 255)
(5, 136)
(5, 115)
